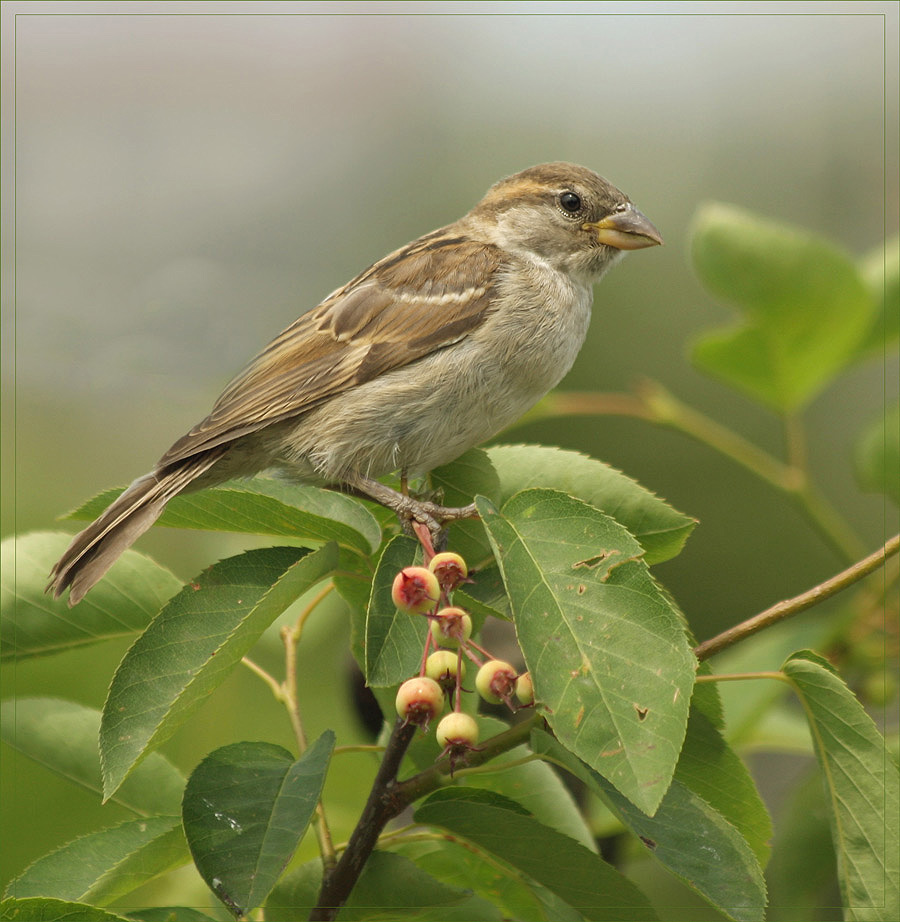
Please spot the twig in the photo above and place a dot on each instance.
(652, 403)
(788, 607)
(311, 607)
(270, 680)
(290, 636)
(380, 808)
(437, 775)
(289, 686)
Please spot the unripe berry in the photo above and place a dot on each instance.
(419, 700)
(415, 590)
(451, 626)
(442, 666)
(525, 689)
(457, 730)
(449, 568)
(496, 681)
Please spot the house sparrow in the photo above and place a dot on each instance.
(426, 353)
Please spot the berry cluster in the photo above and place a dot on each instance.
(427, 591)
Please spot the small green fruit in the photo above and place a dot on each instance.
(457, 730)
(496, 681)
(443, 665)
(451, 626)
(525, 689)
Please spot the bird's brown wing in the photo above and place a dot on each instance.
(422, 298)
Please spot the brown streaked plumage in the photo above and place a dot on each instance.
(427, 352)
(379, 321)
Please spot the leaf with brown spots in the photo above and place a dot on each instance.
(596, 645)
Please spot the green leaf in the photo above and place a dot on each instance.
(706, 698)
(394, 639)
(498, 892)
(169, 914)
(33, 623)
(687, 835)
(708, 766)
(877, 455)
(533, 785)
(806, 306)
(881, 270)
(499, 826)
(103, 866)
(863, 788)
(264, 506)
(62, 737)
(194, 643)
(246, 808)
(294, 896)
(39, 909)
(390, 887)
(695, 842)
(485, 596)
(355, 588)
(395, 888)
(660, 529)
(606, 650)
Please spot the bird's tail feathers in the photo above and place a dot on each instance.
(95, 549)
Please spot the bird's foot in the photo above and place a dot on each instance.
(414, 512)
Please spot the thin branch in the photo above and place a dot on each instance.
(290, 636)
(309, 609)
(652, 403)
(289, 686)
(439, 774)
(741, 677)
(269, 679)
(789, 607)
(795, 442)
(358, 747)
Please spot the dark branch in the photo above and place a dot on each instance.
(381, 807)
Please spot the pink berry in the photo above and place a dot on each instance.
(415, 590)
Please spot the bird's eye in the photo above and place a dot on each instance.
(570, 202)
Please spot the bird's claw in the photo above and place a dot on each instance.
(411, 511)
(431, 518)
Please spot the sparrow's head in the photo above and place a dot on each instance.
(566, 215)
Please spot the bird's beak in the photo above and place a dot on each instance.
(626, 230)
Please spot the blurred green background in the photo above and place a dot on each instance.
(179, 187)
